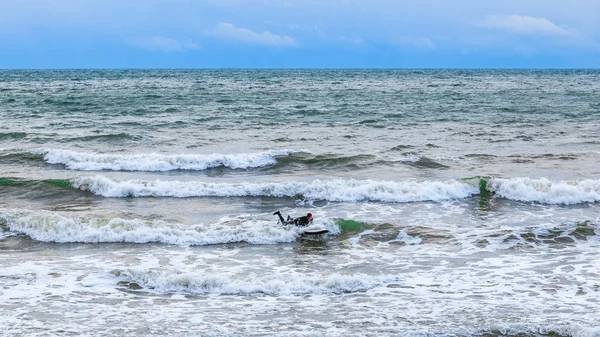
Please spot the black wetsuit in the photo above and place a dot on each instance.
(301, 221)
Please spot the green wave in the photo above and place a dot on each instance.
(482, 181)
(18, 182)
(351, 226)
(12, 182)
(62, 183)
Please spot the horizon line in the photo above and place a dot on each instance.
(305, 68)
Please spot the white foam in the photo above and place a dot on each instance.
(57, 228)
(410, 158)
(546, 191)
(91, 161)
(408, 239)
(562, 329)
(349, 190)
(280, 284)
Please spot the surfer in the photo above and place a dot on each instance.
(300, 221)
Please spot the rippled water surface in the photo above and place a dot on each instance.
(458, 203)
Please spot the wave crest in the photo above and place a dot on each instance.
(90, 161)
(546, 191)
(331, 190)
(61, 229)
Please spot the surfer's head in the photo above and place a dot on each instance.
(309, 216)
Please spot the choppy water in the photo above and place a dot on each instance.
(139, 202)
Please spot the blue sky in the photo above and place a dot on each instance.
(299, 33)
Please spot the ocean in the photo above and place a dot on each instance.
(458, 202)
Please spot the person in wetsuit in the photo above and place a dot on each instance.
(301, 221)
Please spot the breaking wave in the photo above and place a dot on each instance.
(546, 191)
(86, 161)
(331, 190)
(543, 191)
(61, 229)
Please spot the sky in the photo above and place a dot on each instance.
(299, 34)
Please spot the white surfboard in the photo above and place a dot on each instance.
(315, 230)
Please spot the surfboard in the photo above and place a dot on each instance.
(315, 230)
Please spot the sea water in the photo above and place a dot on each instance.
(458, 202)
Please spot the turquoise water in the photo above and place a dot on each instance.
(459, 202)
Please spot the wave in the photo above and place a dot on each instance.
(425, 162)
(541, 190)
(286, 159)
(12, 135)
(256, 230)
(52, 227)
(546, 191)
(17, 157)
(331, 190)
(489, 239)
(159, 162)
(17, 182)
(327, 161)
(333, 161)
(164, 282)
(112, 137)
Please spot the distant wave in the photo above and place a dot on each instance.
(12, 135)
(90, 161)
(331, 190)
(52, 227)
(285, 159)
(18, 157)
(339, 161)
(425, 162)
(165, 282)
(105, 137)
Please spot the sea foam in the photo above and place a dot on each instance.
(546, 191)
(53, 227)
(282, 284)
(345, 190)
(90, 161)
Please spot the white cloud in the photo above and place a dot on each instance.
(415, 42)
(526, 25)
(230, 32)
(165, 44)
